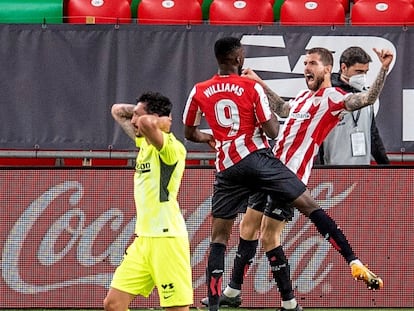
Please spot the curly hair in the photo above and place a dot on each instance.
(156, 103)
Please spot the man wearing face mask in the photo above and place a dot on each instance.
(356, 137)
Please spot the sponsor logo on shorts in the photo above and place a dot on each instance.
(277, 211)
(168, 290)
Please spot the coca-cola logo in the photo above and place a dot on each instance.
(82, 236)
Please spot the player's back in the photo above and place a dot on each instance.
(229, 105)
(233, 107)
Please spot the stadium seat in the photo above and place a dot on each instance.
(169, 12)
(382, 13)
(98, 11)
(243, 12)
(312, 12)
(411, 1)
(345, 4)
(29, 11)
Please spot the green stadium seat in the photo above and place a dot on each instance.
(31, 12)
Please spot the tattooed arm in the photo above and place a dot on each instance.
(359, 100)
(277, 104)
(122, 113)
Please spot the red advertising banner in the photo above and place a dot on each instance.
(64, 231)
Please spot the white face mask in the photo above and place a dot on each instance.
(358, 82)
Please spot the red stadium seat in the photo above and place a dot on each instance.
(411, 1)
(98, 11)
(312, 12)
(345, 4)
(243, 12)
(383, 13)
(170, 12)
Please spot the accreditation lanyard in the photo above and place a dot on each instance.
(358, 142)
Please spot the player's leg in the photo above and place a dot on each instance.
(249, 235)
(283, 186)
(221, 230)
(117, 300)
(229, 199)
(131, 278)
(331, 232)
(249, 230)
(171, 266)
(276, 216)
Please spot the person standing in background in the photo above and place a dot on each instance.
(159, 256)
(356, 137)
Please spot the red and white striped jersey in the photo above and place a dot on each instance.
(312, 116)
(234, 107)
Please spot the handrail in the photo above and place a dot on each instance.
(128, 154)
(37, 154)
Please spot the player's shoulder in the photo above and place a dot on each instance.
(335, 94)
(172, 145)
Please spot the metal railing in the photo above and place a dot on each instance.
(131, 155)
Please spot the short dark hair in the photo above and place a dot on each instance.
(324, 54)
(353, 55)
(156, 103)
(225, 46)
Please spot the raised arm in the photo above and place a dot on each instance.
(276, 103)
(122, 113)
(359, 100)
(151, 127)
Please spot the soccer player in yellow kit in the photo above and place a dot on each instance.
(160, 253)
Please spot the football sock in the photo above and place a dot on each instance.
(214, 273)
(244, 257)
(331, 232)
(231, 292)
(281, 272)
(357, 262)
(290, 304)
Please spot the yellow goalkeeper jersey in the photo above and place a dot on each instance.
(157, 180)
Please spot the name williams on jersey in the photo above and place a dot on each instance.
(223, 87)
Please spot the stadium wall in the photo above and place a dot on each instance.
(63, 232)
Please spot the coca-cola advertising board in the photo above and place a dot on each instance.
(63, 232)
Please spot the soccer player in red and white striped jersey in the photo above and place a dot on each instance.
(236, 127)
(310, 117)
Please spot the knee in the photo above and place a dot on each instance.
(249, 231)
(110, 304)
(306, 204)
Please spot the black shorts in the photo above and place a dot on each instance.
(273, 208)
(260, 171)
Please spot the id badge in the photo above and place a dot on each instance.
(358, 144)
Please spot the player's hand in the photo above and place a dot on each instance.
(385, 57)
(249, 73)
(212, 143)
